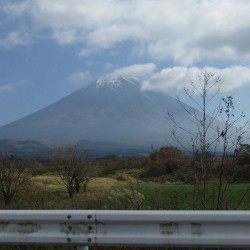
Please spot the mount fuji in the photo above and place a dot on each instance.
(110, 113)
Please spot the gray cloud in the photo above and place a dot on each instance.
(14, 9)
(7, 87)
(15, 38)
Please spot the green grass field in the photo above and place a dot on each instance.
(157, 195)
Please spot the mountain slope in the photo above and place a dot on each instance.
(111, 110)
(24, 149)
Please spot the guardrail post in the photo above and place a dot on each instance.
(82, 248)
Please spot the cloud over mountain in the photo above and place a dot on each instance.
(178, 77)
(137, 70)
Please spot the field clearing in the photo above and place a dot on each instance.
(170, 196)
(178, 196)
(54, 182)
(51, 182)
(57, 198)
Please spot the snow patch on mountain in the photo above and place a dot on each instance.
(116, 81)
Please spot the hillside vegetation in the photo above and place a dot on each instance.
(163, 180)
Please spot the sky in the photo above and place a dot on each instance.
(50, 48)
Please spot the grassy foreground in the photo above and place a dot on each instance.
(49, 193)
(157, 195)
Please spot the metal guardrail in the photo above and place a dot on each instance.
(125, 228)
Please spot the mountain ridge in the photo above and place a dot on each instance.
(113, 109)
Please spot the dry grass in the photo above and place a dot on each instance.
(51, 182)
(97, 191)
(103, 182)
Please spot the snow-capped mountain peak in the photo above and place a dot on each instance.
(116, 81)
(111, 110)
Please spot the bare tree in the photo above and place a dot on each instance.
(14, 178)
(231, 137)
(73, 169)
(214, 133)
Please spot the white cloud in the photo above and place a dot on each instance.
(14, 38)
(79, 77)
(233, 77)
(109, 66)
(7, 88)
(186, 32)
(64, 37)
(14, 9)
(136, 70)
(178, 77)
(88, 51)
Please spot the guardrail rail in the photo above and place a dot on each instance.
(84, 228)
